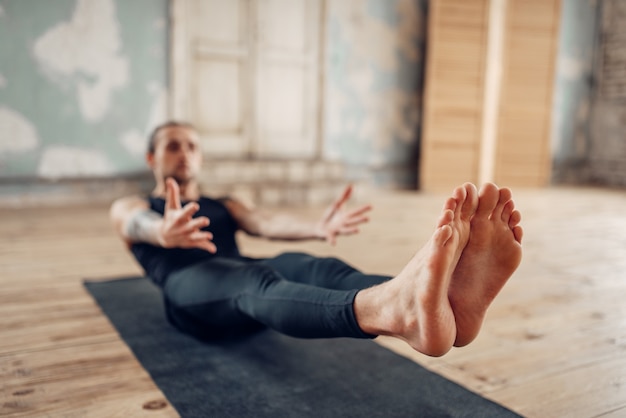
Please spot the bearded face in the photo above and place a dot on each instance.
(177, 154)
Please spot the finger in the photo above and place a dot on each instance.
(210, 247)
(186, 239)
(196, 223)
(349, 231)
(347, 192)
(187, 212)
(196, 240)
(360, 210)
(172, 194)
(207, 246)
(356, 221)
(200, 236)
(202, 240)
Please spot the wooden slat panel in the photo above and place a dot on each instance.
(454, 162)
(452, 126)
(523, 148)
(453, 96)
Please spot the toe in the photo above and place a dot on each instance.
(487, 200)
(503, 199)
(450, 204)
(471, 201)
(515, 219)
(507, 211)
(459, 195)
(442, 235)
(518, 232)
(446, 217)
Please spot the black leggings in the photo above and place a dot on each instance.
(294, 293)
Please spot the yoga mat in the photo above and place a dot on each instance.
(268, 374)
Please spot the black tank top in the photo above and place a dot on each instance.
(160, 262)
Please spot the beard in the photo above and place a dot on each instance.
(183, 174)
(181, 180)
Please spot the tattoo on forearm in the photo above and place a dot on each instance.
(140, 227)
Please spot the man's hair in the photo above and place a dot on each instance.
(169, 124)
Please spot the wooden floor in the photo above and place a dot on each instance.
(553, 345)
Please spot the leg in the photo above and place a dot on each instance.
(492, 254)
(414, 306)
(326, 272)
(223, 297)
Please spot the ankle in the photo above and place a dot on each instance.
(367, 311)
(376, 308)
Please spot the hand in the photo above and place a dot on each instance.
(336, 221)
(179, 228)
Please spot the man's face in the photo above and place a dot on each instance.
(177, 154)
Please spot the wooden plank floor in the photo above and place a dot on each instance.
(554, 343)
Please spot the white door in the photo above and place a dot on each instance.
(287, 78)
(246, 73)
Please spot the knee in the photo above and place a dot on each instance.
(179, 291)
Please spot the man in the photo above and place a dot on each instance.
(211, 291)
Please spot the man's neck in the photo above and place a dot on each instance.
(189, 191)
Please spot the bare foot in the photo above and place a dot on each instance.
(414, 306)
(492, 254)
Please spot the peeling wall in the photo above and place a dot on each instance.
(607, 153)
(374, 74)
(81, 83)
(590, 100)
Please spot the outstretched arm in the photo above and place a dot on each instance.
(135, 222)
(335, 221)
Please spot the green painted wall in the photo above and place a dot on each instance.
(81, 84)
(375, 59)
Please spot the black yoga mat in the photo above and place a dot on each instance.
(271, 375)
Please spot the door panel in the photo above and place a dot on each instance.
(217, 105)
(246, 73)
(218, 22)
(287, 78)
(283, 25)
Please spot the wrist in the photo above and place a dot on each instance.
(319, 232)
(145, 226)
(160, 235)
